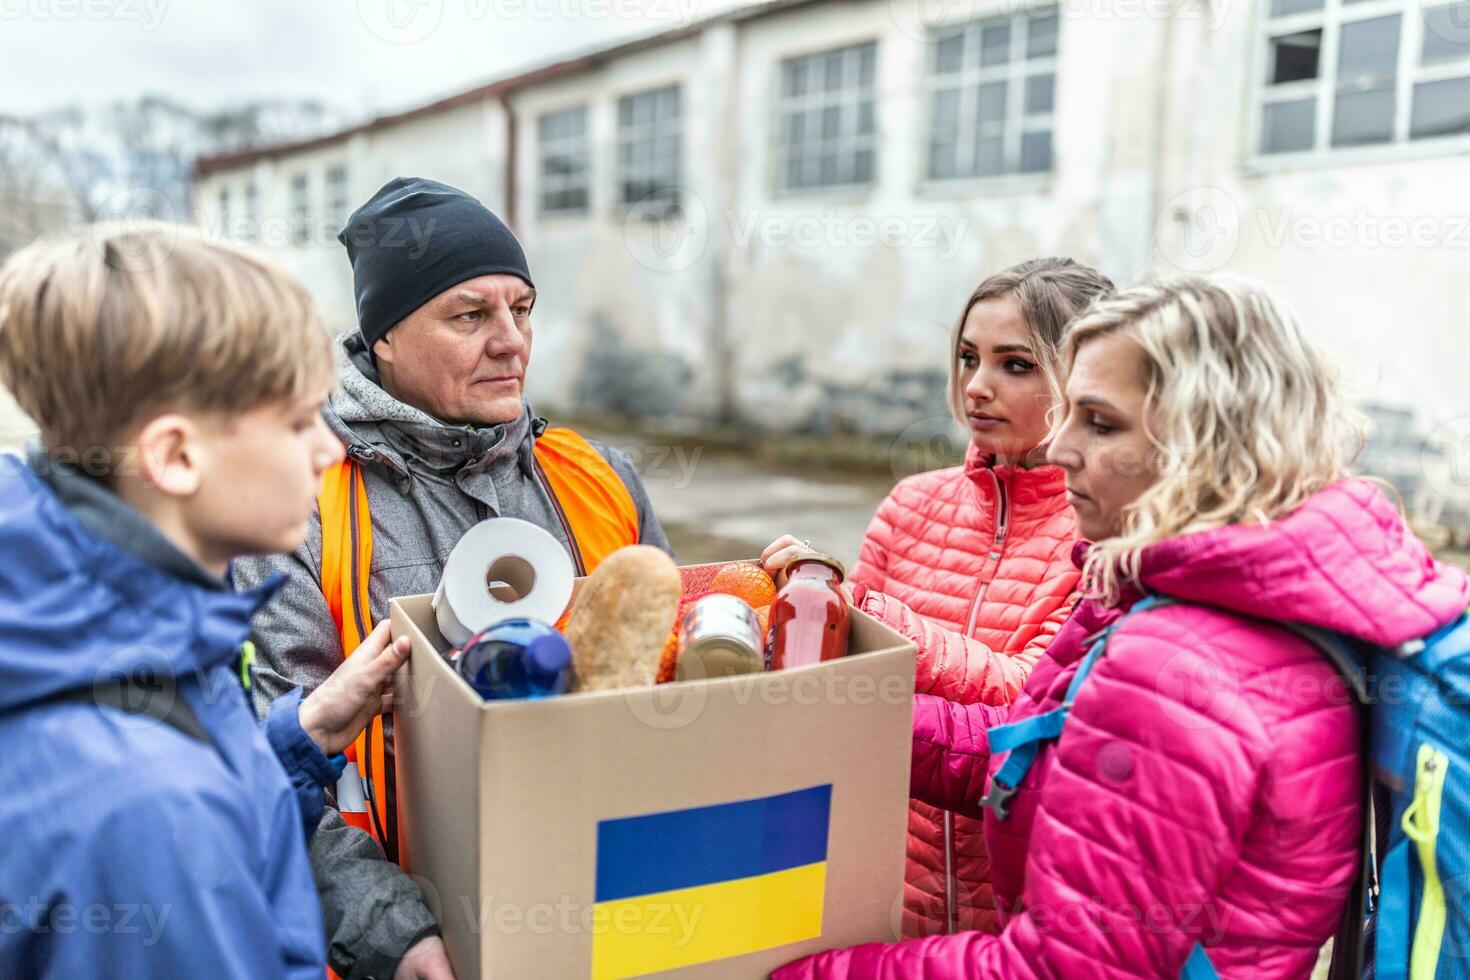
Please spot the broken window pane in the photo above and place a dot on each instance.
(1295, 57)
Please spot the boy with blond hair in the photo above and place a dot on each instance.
(150, 827)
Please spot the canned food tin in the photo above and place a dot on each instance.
(720, 637)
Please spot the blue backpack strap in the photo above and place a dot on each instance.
(1198, 966)
(1349, 661)
(1391, 940)
(1024, 739)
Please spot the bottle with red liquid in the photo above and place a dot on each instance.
(810, 618)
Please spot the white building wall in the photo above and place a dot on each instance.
(783, 308)
(870, 319)
(649, 283)
(1371, 244)
(463, 146)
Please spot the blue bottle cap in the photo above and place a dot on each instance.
(550, 653)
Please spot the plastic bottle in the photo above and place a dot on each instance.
(810, 619)
(516, 658)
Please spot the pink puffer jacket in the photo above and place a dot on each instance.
(974, 565)
(1206, 788)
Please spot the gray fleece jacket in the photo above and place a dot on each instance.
(427, 483)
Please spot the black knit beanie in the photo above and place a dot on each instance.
(416, 238)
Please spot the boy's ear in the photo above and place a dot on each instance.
(170, 454)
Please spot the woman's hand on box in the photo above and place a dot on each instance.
(337, 712)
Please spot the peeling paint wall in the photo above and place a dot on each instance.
(831, 310)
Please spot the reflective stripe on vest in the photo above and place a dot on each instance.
(596, 512)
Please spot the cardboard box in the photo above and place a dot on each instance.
(740, 822)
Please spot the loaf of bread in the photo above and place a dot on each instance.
(621, 619)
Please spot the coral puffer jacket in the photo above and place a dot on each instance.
(1207, 785)
(974, 565)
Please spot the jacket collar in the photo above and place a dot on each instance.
(141, 603)
(1026, 487)
(376, 427)
(109, 517)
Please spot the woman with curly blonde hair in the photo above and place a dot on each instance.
(1201, 803)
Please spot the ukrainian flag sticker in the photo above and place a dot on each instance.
(691, 886)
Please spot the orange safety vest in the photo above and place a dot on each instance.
(595, 510)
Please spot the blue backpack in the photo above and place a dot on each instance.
(1417, 912)
(1409, 913)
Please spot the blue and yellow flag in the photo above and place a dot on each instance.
(691, 886)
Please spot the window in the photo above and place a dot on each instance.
(252, 212)
(337, 197)
(224, 212)
(825, 119)
(992, 87)
(562, 137)
(1342, 73)
(648, 149)
(300, 211)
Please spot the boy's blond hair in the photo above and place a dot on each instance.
(105, 325)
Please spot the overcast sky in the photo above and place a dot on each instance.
(366, 56)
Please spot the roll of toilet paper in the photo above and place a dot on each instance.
(501, 569)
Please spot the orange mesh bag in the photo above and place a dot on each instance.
(743, 579)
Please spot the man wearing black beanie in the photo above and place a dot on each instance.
(439, 437)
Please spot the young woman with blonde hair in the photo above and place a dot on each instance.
(973, 563)
(1201, 804)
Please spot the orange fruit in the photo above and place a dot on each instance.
(668, 659)
(746, 580)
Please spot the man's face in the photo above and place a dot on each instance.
(462, 356)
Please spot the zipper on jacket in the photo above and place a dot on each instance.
(997, 547)
(1421, 825)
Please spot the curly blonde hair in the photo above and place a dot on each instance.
(1248, 417)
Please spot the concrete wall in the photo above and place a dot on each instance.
(832, 309)
(1371, 244)
(464, 147)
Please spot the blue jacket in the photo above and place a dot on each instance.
(128, 849)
